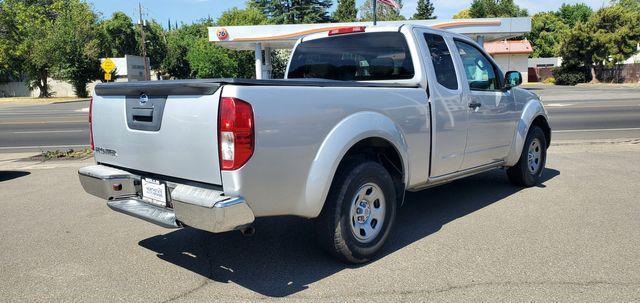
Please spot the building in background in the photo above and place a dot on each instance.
(511, 55)
(130, 68)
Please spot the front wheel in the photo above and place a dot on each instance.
(528, 171)
(358, 213)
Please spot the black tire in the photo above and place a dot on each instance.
(521, 174)
(333, 228)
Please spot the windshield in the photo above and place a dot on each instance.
(368, 56)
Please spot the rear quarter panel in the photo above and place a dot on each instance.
(292, 125)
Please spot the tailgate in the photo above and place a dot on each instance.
(162, 127)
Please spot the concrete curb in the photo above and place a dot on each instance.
(595, 142)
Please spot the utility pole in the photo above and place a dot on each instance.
(375, 12)
(143, 44)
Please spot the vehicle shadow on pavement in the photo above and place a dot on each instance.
(282, 258)
(10, 175)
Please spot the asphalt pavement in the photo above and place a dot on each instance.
(576, 113)
(574, 238)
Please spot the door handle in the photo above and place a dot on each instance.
(474, 105)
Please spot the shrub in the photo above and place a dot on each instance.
(570, 75)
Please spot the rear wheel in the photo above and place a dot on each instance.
(528, 171)
(358, 213)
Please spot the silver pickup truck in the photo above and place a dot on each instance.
(364, 115)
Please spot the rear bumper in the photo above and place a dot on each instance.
(197, 207)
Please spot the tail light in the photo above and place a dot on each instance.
(347, 30)
(235, 133)
(91, 123)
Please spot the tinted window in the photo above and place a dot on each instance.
(369, 56)
(442, 62)
(479, 71)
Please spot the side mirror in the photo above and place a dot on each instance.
(512, 79)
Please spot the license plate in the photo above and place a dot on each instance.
(154, 192)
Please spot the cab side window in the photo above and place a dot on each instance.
(481, 74)
(442, 61)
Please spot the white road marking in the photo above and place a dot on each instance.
(49, 131)
(595, 130)
(82, 110)
(44, 146)
(557, 104)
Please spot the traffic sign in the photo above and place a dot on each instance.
(108, 66)
(107, 76)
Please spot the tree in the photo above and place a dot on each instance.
(23, 25)
(293, 11)
(118, 36)
(179, 42)
(463, 14)
(495, 9)
(73, 43)
(156, 43)
(570, 14)
(609, 36)
(384, 12)
(346, 11)
(235, 16)
(546, 33)
(208, 60)
(424, 11)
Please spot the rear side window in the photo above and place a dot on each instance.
(357, 57)
(442, 62)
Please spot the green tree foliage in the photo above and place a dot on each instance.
(424, 11)
(179, 42)
(207, 60)
(570, 14)
(23, 24)
(463, 14)
(118, 36)
(72, 40)
(547, 30)
(235, 16)
(346, 11)
(609, 36)
(293, 11)
(191, 55)
(384, 12)
(495, 9)
(156, 43)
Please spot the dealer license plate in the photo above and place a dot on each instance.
(154, 192)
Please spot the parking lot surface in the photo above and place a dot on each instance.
(576, 237)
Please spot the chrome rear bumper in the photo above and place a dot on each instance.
(197, 207)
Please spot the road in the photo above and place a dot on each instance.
(44, 127)
(576, 113)
(574, 238)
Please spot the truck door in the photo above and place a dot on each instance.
(491, 109)
(448, 111)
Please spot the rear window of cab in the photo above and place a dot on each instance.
(353, 57)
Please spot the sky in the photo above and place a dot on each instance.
(188, 11)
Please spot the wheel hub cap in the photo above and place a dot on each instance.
(534, 156)
(367, 212)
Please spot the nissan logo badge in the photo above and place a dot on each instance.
(144, 99)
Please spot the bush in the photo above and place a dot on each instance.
(571, 75)
(550, 80)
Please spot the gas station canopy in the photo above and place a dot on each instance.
(261, 38)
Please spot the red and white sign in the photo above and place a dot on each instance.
(392, 3)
